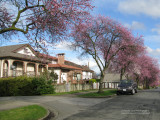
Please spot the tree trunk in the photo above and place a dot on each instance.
(147, 84)
(137, 81)
(100, 84)
(121, 74)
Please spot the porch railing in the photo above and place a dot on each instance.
(17, 73)
(86, 76)
(5, 72)
(31, 73)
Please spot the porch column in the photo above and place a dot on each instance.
(1, 75)
(25, 68)
(47, 67)
(81, 75)
(36, 68)
(60, 76)
(10, 62)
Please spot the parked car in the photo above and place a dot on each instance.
(127, 86)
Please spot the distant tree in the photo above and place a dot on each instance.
(126, 59)
(147, 71)
(41, 20)
(102, 38)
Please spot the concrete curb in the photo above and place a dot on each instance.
(48, 112)
(109, 96)
(51, 114)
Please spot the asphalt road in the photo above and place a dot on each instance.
(145, 105)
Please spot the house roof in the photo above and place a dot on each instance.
(71, 65)
(67, 64)
(47, 56)
(11, 52)
(63, 66)
(86, 68)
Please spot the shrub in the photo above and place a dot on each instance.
(24, 85)
(94, 80)
(42, 86)
(15, 86)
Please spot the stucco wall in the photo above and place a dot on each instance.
(58, 73)
(87, 75)
(19, 66)
(111, 77)
(26, 51)
(30, 67)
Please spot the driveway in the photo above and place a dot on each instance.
(145, 105)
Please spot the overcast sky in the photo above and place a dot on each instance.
(142, 16)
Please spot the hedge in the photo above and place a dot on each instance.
(94, 80)
(24, 85)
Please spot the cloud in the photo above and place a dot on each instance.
(157, 29)
(149, 50)
(136, 26)
(152, 39)
(147, 7)
(63, 45)
(15, 41)
(10, 7)
(154, 52)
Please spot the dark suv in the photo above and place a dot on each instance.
(127, 86)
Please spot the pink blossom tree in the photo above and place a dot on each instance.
(125, 60)
(41, 20)
(147, 71)
(102, 38)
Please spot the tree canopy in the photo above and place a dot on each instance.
(41, 21)
(106, 40)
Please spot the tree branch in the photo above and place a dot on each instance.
(13, 28)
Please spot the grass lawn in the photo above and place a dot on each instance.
(65, 93)
(95, 94)
(31, 112)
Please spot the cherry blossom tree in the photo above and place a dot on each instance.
(147, 71)
(41, 21)
(126, 59)
(102, 38)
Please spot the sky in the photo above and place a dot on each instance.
(141, 16)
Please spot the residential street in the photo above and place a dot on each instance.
(145, 105)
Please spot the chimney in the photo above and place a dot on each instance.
(61, 58)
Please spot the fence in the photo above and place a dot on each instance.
(74, 87)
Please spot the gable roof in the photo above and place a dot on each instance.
(67, 64)
(63, 66)
(11, 52)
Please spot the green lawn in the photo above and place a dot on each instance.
(65, 93)
(31, 112)
(95, 94)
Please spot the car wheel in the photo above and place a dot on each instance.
(136, 91)
(118, 93)
(133, 92)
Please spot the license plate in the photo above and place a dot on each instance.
(124, 89)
